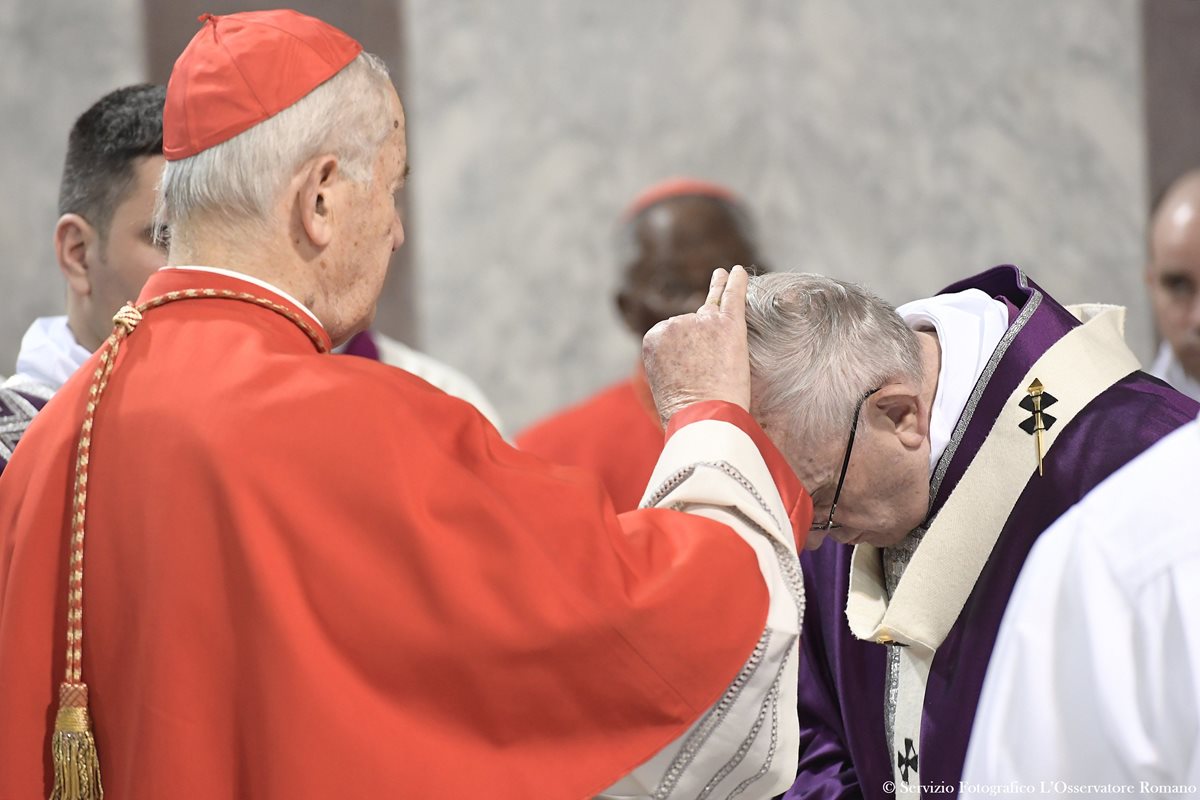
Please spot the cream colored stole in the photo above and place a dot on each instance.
(950, 557)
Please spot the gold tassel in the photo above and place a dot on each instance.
(76, 765)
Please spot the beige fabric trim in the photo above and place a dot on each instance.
(915, 665)
(942, 574)
(1086, 312)
(713, 469)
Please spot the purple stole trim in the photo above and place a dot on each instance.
(361, 344)
(843, 742)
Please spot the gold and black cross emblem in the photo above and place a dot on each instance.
(1036, 402)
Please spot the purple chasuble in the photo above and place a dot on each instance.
(844, 750)
(17, 410)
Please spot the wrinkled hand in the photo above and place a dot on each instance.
(702, 356)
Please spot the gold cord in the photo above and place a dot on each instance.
(76, 764)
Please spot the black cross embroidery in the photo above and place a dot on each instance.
(1046, 400)
(906, 760)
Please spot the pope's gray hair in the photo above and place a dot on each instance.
(239, 180)
(817, 345)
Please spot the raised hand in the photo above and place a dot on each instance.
(703, 355)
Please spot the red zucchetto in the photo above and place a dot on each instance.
(674, 187)
(241, 69)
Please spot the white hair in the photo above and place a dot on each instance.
(239, 180)
(817, 345)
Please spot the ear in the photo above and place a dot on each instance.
(321, 180)
(75, 241)
(900, 407)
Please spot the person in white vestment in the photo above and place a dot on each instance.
(1095, 679)
(1173, 280)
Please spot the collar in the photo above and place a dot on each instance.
(969, 325)
(49, 355)
(241, 276)
(185, 280)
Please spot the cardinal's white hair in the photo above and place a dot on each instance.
(238, 181)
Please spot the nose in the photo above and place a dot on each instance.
(1194, 313)
(815, 538)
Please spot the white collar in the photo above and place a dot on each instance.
(49, 354)
(241, 276)
(969, 326)
(1167, 367)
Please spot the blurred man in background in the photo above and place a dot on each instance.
(672, 236)
(1173, 279)
(104, 241)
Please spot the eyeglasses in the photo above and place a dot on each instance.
(845, 463)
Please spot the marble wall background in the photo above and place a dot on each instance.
(902, 145)
(57, 57)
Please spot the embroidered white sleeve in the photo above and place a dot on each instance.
(746, 745)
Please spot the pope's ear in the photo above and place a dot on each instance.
(900, 405)
(320, 179)
(74, 242)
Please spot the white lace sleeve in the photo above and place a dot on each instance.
(746, 744)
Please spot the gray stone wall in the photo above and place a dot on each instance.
(903, 145)
(57, 57)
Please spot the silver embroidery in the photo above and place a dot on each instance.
(892, 696)
(15, 415)
(771, 748)
(896, 558)
(771, 703)
(711, 720)
(679, 476)
(669, 485)
(789, 562)
(789, 565)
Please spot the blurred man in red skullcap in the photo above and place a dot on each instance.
(308, 576)
(672, 237)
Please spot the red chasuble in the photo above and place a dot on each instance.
(310, 576)
(613, 434)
